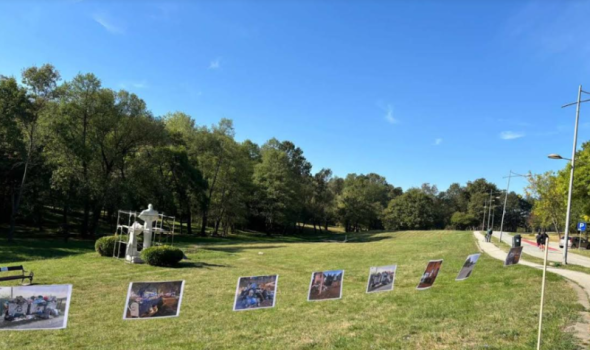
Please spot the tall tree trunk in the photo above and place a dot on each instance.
(85, 217)
(189, 221)
(65, 225)
(16, 203)
(97, 212)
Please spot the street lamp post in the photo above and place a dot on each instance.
(493, 217)
(573, 162)
(510, 175)
(490, 210)
(483, 222)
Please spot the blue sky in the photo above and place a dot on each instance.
(417, 91)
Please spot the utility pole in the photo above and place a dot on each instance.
(483, 223)
(493, 217)
(571, 185)
(510, 175)
(490, 210)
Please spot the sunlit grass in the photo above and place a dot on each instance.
(496, 308)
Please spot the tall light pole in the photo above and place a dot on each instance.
(490, 210)
(573, 162)
(483, 223)
(510, 175)
(493, 217)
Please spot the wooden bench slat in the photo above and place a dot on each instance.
(22, 276)
(11, 268)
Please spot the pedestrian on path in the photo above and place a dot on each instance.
(544, 240)
(539, 236)
(489, 235)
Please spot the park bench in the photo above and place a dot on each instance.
(22, 276)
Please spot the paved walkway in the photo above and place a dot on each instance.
(489, 248)
(555, 253)
(579, 281)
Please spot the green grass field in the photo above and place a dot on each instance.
(496, 308)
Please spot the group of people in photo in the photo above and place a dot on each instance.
(163, 299)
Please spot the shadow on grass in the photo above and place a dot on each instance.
(198, 265)
(36, 249)
(240, 249)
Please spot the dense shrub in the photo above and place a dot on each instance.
(106, 245)
(164, 255)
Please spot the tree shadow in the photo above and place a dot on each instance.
(238, 249)
(21, 250)
(198, 265)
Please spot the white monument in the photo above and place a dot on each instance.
(131, 253)
(148, 216)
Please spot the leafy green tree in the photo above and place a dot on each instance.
(413, 210)
(276, 188)
(549, 200)
(14, 108)
(41, 84)
(463, 221)
(362, 200)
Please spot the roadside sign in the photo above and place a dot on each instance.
(581, 226)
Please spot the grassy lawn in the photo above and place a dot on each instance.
(496, 308)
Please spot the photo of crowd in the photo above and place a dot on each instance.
(513, 256)
(326, 285)
(381, 278)
(256, 292)
(467, 267)
(153, 300)
(430, 274)
(34, 307)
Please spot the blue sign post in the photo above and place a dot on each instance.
(581, 226)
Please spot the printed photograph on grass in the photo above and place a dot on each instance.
(430, 274)
(381, 279)
(153, 300)
(467, 267)
(513, 256)
(256, 292)
(35, 307)
(325, 285)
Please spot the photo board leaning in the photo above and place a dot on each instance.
(35, 307)
(467, 267)
(147, 300)
(381, 279)
(325, 285)
(256, 292)
(513, 256)
(430, 274)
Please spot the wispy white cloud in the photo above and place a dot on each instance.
(438, 141)
(511, 135)
(514, 122)
(134, 85)
(107, 23)
(215, 64)
(389, 115)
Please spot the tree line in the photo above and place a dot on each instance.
(88, 150)
(548, 192)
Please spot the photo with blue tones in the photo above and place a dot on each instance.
(153, 300)
(256, 292)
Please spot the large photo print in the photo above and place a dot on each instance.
(430, 274)
(153, 300)
(381, 278)
(467, 267)
(326, 285)
(256, 292)
(513, 256)
(35, 307)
